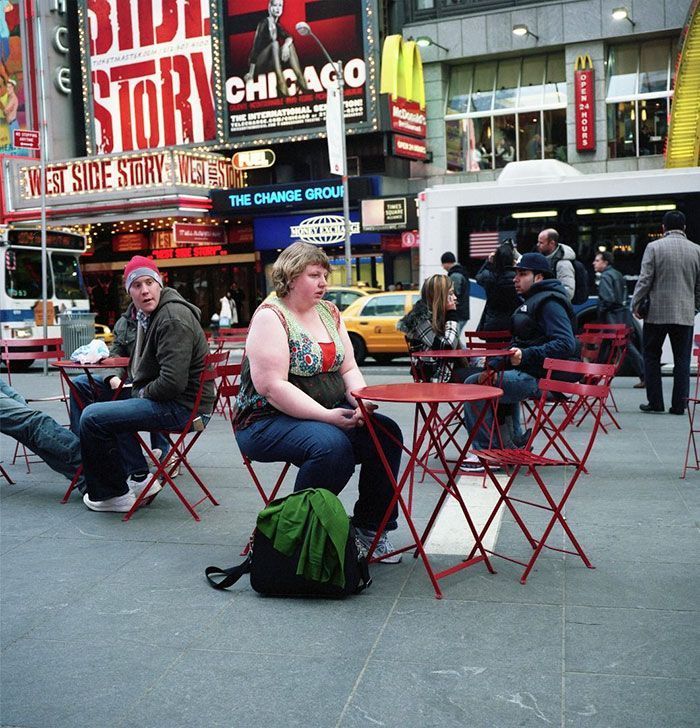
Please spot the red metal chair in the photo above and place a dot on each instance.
(525, 459)
(181, 443)
(15, 350)
(692, 408)
(487, 339)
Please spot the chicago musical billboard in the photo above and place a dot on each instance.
(275, 79)
(148, 73)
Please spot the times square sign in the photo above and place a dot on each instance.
(237, 73)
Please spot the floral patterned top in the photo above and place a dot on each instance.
(306, 366)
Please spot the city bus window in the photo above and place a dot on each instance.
(66, 276)
(23, 274)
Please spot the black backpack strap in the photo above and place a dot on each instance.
(231, 576)
(365, 578)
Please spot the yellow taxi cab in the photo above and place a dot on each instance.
(343, 296)
(371, 323)
(103, 332)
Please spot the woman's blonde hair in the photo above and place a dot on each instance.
(434, 293)
(292, 263)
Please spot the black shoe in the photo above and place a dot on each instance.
(649, 408)
(521, 441)
(676, 411)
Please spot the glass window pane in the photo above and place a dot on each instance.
(653, 66)
(555, 134)
(621, 130)
(482, 147)
(530, 135)
(460, 84)
(425, 4)
(455, 145)
(531, 82)
(66, 276)
(507, 84)
(555, 80)
(504, 143)
(23, 274)
(622, 71)
(482, 89)
(653, 126)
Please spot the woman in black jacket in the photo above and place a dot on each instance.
(496, 278)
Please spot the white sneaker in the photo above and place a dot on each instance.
(118, 504)
(382, 548)
(138, 486)
(159, 454)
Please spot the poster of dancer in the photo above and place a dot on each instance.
(13, 93)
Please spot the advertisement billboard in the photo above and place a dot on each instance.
(13, 86)
(148, 74)
(275, 80)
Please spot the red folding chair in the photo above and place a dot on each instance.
(692, 407)
(479, 339)
(181, 443)
(15, 350)
(516, 460)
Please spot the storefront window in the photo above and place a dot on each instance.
(490, 92)
(638, 97)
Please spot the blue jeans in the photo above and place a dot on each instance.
(326, 458)
(516, 386)
(100, 391)
(681, 338)
(106, 444)
(56, 445)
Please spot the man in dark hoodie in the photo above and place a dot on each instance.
(542, 327)
(166, 364)
(460, 282)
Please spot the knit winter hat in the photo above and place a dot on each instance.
(140, 266)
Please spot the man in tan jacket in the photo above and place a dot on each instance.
(670, 277)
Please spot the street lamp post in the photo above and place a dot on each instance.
(305, 29)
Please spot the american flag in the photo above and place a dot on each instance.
(481, 245)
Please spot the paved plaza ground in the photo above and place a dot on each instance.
(105, 623)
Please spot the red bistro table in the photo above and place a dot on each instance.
(65, 367)
(426, 398)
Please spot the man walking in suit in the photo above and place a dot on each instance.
(670, 276)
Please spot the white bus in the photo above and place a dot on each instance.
(620, 212)
(20, 279)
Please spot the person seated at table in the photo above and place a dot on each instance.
(166, 364)
(496, 276)
(295, 403)
(433, 324)
(103, 385)
(542, 327)
(57, 446)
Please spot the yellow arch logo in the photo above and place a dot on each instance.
(583, 63)
(402, 70)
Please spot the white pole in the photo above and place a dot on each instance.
(42, 155)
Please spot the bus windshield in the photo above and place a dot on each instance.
(23, 274)
(66, 275)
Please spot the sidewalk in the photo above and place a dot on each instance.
(105, 623)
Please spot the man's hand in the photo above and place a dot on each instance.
(516, 357)
(115, 382)
(637, 316)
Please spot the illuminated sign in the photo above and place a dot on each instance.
(253, 159)
(122, 172)
(149, 73)
(300, 195)
(191, 234)
(201, 251)
(386, 214)
(54, 239)
(406, 117)
(323, 230)
(402, 146)
(275, 80)
(584, 103)
(129, 242)
(402, 70)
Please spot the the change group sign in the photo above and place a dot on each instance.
(275, 80)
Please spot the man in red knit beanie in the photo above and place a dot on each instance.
(165, 367)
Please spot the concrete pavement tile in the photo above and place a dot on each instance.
(218, 689)
(423, 695)
(475, 634)
(7, 543)
(477, 584)
(634, 585)
(62, 685)
(649, 642)
(311, 627)
(601, 701)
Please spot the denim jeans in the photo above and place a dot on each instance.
(107, 442)
(56, 445)
(681, 338)
(326, 458)
(100, 391)
(516, 387)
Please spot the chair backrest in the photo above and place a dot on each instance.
(487, 339)
(11, 350)
(418, 370)
(598, 327)
(230, 375)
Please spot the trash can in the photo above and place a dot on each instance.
(77, 329)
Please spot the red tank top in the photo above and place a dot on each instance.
(328, 355)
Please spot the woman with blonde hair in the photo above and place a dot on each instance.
(295, 403)
(433, 324)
